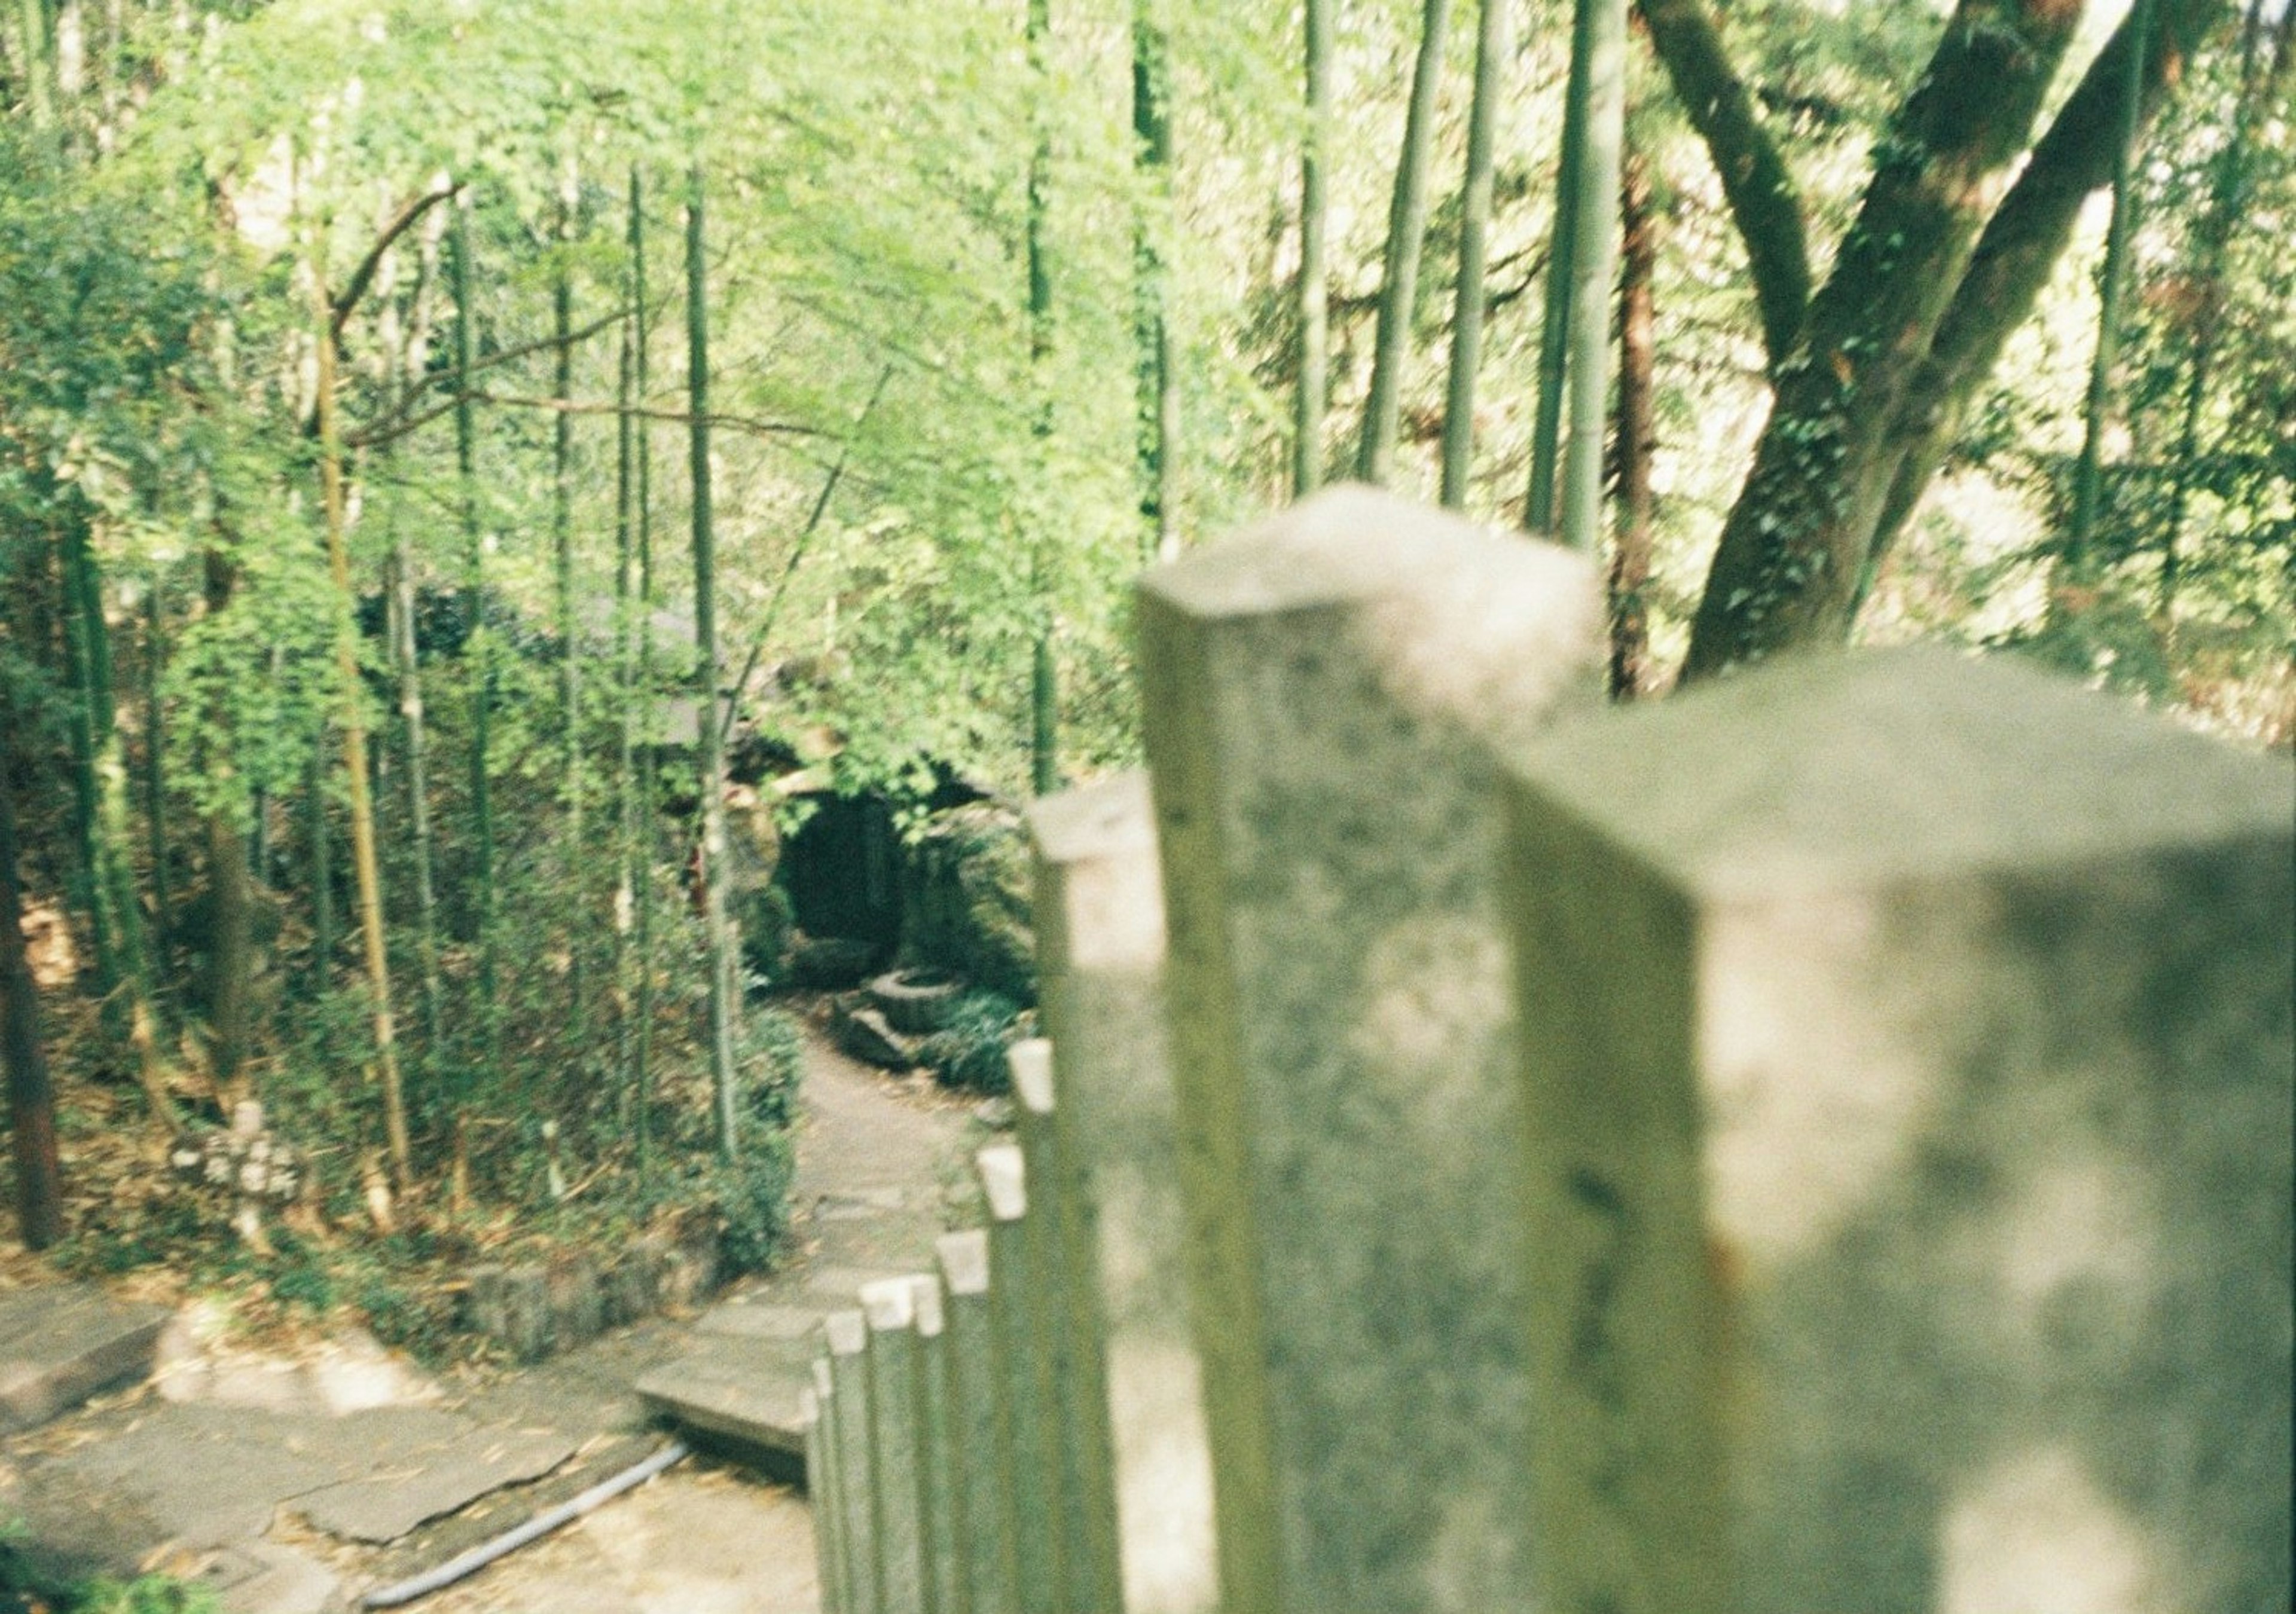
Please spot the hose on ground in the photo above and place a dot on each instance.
(479, 1557)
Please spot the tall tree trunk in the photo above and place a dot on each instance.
(407, 669)
(363, 862)
(1917, 310)
(321, 853)
(1044, 683)
(1593, 270)
(1492, 48)
(628, 872)
(569, 671)
(115, 879)
(2080, 536)
(717, 922)
(39, 90)
(1630, 560)
(1313, 297)
(155, 759)
(1541, 512)
(1159, 393)
(477, 654)
(403, 350)
(2211, 238)
(1796, 546)
(639, 870)
(85, 696)
(31, 1100)
(1406, 229)
(231, 961)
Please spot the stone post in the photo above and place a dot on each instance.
(936, 1481)
(1318, 695)
(848, 1336)
(1908, 1044)
(981, 1520)
(1060, 1224)
(889, 1306)
(813, 1411)
(1027, 1448)
(1100, 962)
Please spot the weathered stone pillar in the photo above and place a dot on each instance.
(1908, 1047)
(1100, 962)
(848, 1336)
(814, 1404)
(1059, 1236)
(1317, 697)
(1027, 1448)
(889, 1306)
(936, 1478)
(982, 1523)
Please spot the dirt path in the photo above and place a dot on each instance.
(877, 1159)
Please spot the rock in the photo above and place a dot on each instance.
(913, 1001)
(865, 1034)
(968, 903)
(829, 962)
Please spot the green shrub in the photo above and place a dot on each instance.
(753, 1199)
(968, 1053)
(773, 1053)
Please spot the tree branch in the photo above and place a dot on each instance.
(1755, 179)
(2021, 244)
(386, 426)
(376, 436)
(355, 288)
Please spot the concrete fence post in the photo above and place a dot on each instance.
(889, 1306)
(1100, 961)
(1319, 696)
(936, 1481)
(1908, 1043)
(821, 1487)
(1027, 1447)
(981, 1516)
(1060, 1224)
(847, 1334)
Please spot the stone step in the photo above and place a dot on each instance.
(60, 1343)
(739, 1390)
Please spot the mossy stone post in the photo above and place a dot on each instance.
(936, 1482)
(1320, 694)
(1908, 1043)
(821, 1487)
(981, 1525)
(1060, 1238)
(1100, 949)
(1028, 1444)
(846, 1333)
(889, 1306)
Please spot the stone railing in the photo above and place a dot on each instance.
(1819, 1144)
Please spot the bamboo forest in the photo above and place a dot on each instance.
(549, 544)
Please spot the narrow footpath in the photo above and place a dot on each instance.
(296, 1487)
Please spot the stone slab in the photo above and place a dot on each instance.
(60, 1343)
(761, 1320)
(395, 1496)
(740, 1388)
(211, 1476)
